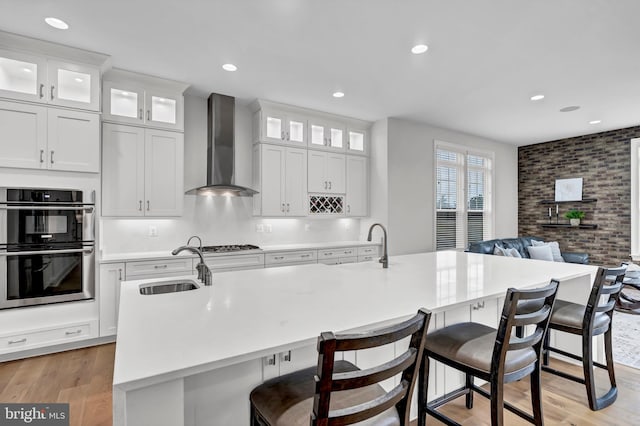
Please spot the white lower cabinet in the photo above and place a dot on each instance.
(142, 171)
(142, 270)
(111, 276)
(46, 337)
(234, 262)
(288, 361)
(338, 256)
(289, 258)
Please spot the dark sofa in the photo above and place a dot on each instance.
(521, 244)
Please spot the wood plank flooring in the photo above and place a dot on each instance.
(83, 378)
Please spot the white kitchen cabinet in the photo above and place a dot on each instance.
(144, 269)
(51, 81)
(287, 258)
(111, 276)
(49, 336)
(73, 140)
(234, 262)
(338, 256)
(36, 137)
(275, 126)
(142, 171)
(326, 172)
(326, 135)
(357, 187)
(282, 179)
(357, 141)
(143, 100)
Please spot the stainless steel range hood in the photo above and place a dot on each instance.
(220, 150)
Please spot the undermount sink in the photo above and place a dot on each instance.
(168, 287)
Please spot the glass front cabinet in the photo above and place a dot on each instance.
(32, 78)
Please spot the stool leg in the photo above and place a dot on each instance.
(587, 368)
(497, 402)
(469, 396)
(423, 387)
(536, 398)
(545, 348)
(608, 349)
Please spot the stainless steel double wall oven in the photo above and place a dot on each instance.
(47, 246)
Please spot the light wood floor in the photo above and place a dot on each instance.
(83, 379)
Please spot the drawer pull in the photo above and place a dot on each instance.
(305, 255)
(478, 306)
(279, 257)
(347, 252)
(160, 266)
(72, 333)
(329, 253)
(13, 342)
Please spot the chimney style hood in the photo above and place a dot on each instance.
(220, 150)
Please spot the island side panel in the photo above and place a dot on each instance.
(159, 405)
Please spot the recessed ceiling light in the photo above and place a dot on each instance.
(29, 70)
(229, 67)
(78, 79)
(56, 23)
(569, 108)
(537, 97)
(338, 95)
(595, 122)
(419, 48)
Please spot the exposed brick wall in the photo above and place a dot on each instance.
(603, 161)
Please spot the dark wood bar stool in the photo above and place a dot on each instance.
(337, 392)
(492, 355)
(592, 319)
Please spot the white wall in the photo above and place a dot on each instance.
(411, 183)
(218, 220)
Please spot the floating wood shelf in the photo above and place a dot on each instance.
(568, 225)
(584, 200)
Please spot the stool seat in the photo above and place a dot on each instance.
(472, 344)
(571, 315)
(288, 400)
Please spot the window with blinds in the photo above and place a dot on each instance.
(463, 197)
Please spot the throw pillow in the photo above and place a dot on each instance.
(508, 252)
(540, 252)
(555, 249)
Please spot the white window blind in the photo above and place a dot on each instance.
(463, 197)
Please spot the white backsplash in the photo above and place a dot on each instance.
(221, 220)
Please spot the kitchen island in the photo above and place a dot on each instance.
(191, 358)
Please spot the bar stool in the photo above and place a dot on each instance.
(592, 319)
(337, 392)
(492, 355)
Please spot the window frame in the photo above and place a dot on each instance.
(462, 208)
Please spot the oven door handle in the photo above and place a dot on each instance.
(37, 252)
(89, 209)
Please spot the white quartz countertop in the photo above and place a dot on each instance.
(166, 254)
(248, 314)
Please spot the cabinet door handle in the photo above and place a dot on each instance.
(478, 306)
(160, 266)
(325, 184)
(288, 136)
(148, 205)
(288, 209)
(287, 356)
(53, 88)
(282, 135)
(278, 257)
(348, 208)
(139, 205)
(13, 342)
(148, 115)
(282, 208)
(41, 91)
(120, 274)
(271, 360)
(140, 114)
(328, 253)
(51, 158)
(42, 155)
(329, 184)
(305, 255)
(71, 333)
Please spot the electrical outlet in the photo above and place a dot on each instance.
(267, 228)
(259, 227)
(153, 231)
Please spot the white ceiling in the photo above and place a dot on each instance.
(486, 58)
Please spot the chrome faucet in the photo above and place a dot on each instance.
(204, 273)
(384, 259)
(199, 240)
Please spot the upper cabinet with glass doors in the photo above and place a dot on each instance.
(290, 125)
(30, 77)
(143, 100)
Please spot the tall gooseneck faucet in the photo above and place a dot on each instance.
(384, 259)
(204, 273)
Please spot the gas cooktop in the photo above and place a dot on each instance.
(228, 248)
